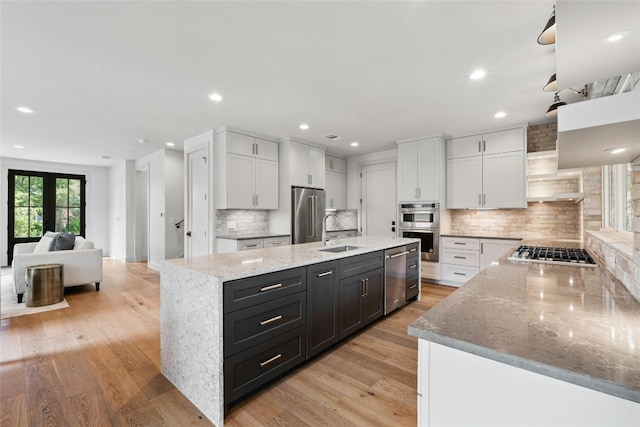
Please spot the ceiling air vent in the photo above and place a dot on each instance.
(332, 137)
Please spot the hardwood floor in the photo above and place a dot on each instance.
(98, 363)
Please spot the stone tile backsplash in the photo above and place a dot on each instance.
(549, 220)
(247, 221)
(347, 220)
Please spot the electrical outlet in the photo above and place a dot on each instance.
(231, 224)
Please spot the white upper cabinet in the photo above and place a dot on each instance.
(336, 183)
(487, 170)
(421, 170)
(307, 165)
(247, 171)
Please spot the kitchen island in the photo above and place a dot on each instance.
(526, 343)
(206, 345)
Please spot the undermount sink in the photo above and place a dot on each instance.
(344, 248)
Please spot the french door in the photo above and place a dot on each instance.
(40, 202)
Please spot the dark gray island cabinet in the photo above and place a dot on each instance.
(231, 323)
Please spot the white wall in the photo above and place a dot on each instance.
(354, 163)
(121, 213)
(97, 209)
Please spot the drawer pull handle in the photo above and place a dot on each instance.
(412, 266)
(250, 246)
(273, 319)
(413, 286)
(273, 359)
(459, 243)
(413, 250)
(460, 257)
(460, 274)
(326, 273)
(268, 288)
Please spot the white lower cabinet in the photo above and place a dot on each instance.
(236, 245)
(464, 257)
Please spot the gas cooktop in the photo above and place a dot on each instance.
(550, 255)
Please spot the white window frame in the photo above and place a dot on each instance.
(614, 205)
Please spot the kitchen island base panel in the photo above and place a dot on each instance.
(460, 388)
(191, 338)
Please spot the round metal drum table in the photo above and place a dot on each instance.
(44, 284)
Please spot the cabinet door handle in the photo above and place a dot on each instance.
(256, 200)
(362, 288)
(270, 287)
(326, 273)
(460, 257)
(273, 359)
(413, 266)
(257, 149)
(251, 246)
(484, 145)
(459, 243)
(480, 146)
(273, 319)
(460, 274)
(366, 287)
(481, 248)
(413, 286)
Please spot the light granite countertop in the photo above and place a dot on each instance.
(576, 324)
(247, 236)
(237, 265)
(488, 235)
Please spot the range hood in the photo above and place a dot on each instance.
(587, 129)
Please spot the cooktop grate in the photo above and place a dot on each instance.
(553, 255)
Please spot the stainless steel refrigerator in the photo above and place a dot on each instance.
(307, 211)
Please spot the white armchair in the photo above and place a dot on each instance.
(82, 265)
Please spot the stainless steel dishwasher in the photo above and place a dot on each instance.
(395, 271)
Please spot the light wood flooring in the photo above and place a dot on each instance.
(98, 363)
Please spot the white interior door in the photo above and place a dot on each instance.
(197, 204)
(378, 194)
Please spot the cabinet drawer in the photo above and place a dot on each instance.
(461, 243)
(244, 245)
(413, 250)
(412, 286)
(246, 328)
(458, 273)
(360, 264)
(252, 368)
(244, 293)
(270, 242)
(413, 266)
(458, 257)
(430, 270)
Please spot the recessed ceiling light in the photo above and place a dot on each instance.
(170, 144)
(612, 38)
(500, 114)
(354, 144)
(18, 146)
(25, 110)
(216, 97)
(477, 74)
(304, 126)
(142, 141)
(615, 150)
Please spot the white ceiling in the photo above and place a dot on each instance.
(102, 75)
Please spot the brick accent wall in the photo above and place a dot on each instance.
(542, 137)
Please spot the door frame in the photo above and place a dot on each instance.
(188, 219)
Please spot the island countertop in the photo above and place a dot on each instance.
(577, 324)
(238, 265)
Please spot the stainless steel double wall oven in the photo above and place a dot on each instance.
(421, 221)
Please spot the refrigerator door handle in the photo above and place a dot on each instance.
(310, 216)
(314, 213)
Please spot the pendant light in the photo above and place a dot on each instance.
(552, 85)
(548, 35)
(553, 109)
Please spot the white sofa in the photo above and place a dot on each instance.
(82, 265)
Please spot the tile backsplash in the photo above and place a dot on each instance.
(347, 219)
(247, 221)
(551, 220)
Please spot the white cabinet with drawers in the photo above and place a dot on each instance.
(463, 257)
(235, 245)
